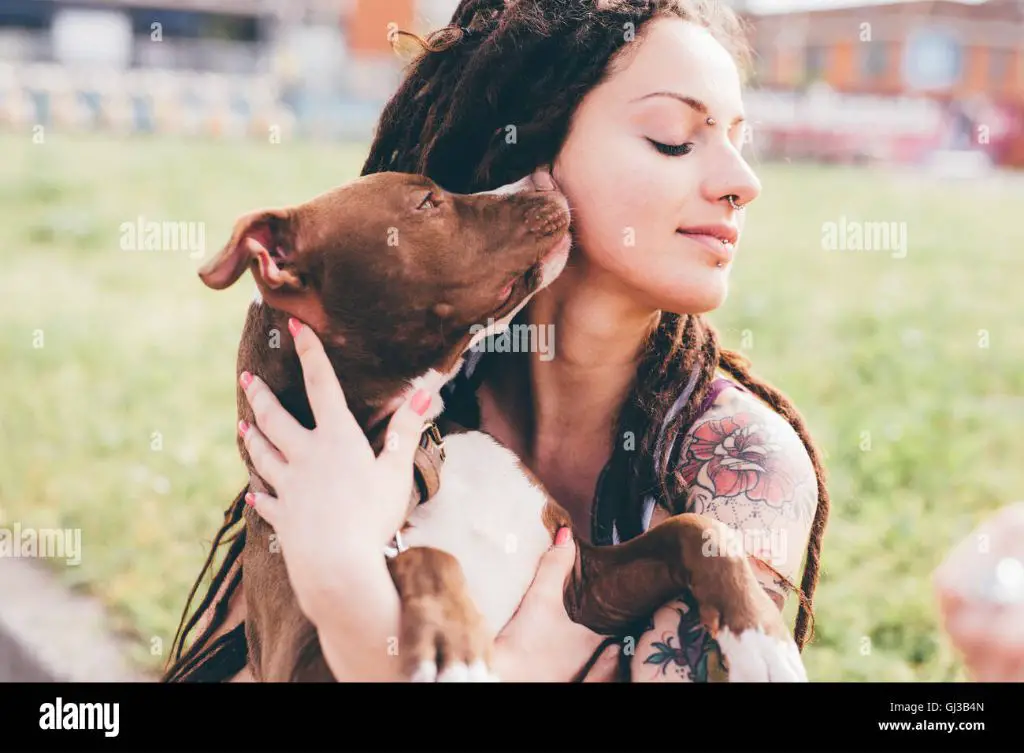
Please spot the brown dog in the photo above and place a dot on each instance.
(397, 276)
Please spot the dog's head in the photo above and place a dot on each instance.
(396, 273)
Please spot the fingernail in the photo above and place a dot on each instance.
(245, 380)
(421, 401)
(250, 498)
(563, 536)
(294, 325)
(243, 427)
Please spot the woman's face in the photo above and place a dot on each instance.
(641, 164)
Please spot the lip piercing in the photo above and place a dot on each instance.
(732, 201)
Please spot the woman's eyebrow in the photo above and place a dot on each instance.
(696, 104)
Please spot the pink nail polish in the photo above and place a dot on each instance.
(250, 498)
(243, 427)
(421, 401)
(294, 326)
(245, 380)
(563, 536)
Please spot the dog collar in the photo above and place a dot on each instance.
(427, 465)
(426, 477)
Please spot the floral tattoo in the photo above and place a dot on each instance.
(746, 462)
(747, 468)
(691, 652)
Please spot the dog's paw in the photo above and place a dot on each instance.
(478, 671)
(756, 656)
(425, 672)
(445, 637)
(457, 671)
(447, 645)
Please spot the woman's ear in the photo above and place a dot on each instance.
(263, 237)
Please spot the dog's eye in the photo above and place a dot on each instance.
(428, 201)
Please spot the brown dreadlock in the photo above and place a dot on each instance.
(529, 63)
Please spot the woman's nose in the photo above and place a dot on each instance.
(733, 177)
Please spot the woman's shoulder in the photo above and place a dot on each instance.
(732, 410)
(722, 390)
(744, 464)
(741, 458)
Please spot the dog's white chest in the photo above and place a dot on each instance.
(488, 515)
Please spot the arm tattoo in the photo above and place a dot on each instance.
(687, 651)
(745, 466)
(744, 458)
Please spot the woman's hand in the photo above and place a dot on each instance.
(337, 504)
(980, 587)
(540, 643)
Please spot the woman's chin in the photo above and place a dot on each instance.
(701, 295)
(681, 286)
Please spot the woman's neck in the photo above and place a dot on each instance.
(575, 390)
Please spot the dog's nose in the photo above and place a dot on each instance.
(539, 180)
(523, 184)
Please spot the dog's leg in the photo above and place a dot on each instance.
(444, 637)
(616, 588)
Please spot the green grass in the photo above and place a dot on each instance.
(122, 424)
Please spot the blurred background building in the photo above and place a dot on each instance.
(910, 81)
(319, 68)
(905, 81)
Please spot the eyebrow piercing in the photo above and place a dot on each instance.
(710, 121)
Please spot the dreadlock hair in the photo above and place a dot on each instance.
(528, 64)
(226, 656)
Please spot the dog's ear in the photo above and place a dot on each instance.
(263, 237)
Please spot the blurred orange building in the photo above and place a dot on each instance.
(938, 47)
(369, 21)
(954, 53)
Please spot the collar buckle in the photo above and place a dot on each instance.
(427, 464)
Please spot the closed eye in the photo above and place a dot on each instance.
(673, 150)
(428, 201)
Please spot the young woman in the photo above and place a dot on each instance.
(636, 106)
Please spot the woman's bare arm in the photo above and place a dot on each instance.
(746, 466)
(358, 624)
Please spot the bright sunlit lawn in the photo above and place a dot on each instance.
(122, 423)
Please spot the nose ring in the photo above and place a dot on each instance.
(732, 201)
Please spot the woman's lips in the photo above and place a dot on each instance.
(723, 251)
